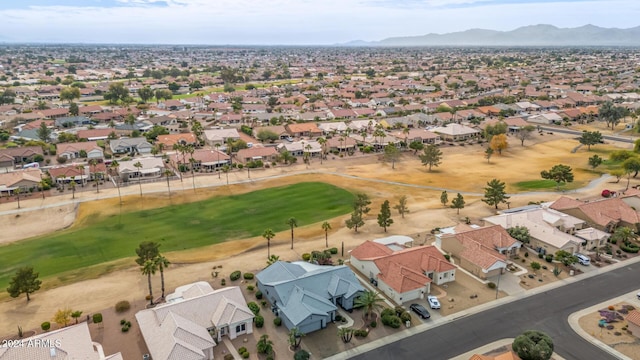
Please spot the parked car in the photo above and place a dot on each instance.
(433, 302)
(420, 310)
(583, 259)
(146, 357)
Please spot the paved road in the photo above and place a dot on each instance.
(578, 133)
(546, 311)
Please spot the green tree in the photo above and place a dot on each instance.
(25, 281)
(163, 94)
(487, 154)
(432, 156)
(43, 132)
(559, 173)
(326, 227)
(69, 94)
(595, 161)
(631, 165)
(520, 233)
(535, 266)
(402, 206)
(73, 109)
(264, 345)
(623, 235)
(117, 92)
(149, 268)
(161, 263)
(384, 217)
(590, 138)
(360, 209)
(145, 94)
(369, 301)
(355, 221)
(346, 334)
(391, 154)
(76, 315)
(495, 193)
(294, 337)
(533, 345)
(458, 202)
(292, 222)
(268, 234)
(416, 146)
(93, 163)
(444, 198)
(565, 257)
(114, 166)
(267, 135)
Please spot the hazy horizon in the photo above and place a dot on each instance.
(288, 22)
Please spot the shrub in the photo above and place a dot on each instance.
(548, 258)
(223, 282)
(630, 248)
(526, 254)
(123, 321)
(387, 312)
(242, 350)
(248, 276)
(399, 310)
(125, 328)
(250, 287)
(338, 317)
(540, 255)
(373, 324)
(392, 321)
(333, 250)
(264, 303)
(228, 357)
(97, 318)
(447, 256)
(235, 275)
(360, 333)
(259, 321)
(277, 321)
(405, 316)
(491, 285)
(258, 294)
(45, 326)
(306, 256)
(255, 309)
(245, 355)
(301, 355)
(122, 306)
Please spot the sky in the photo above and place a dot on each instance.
(288, 22)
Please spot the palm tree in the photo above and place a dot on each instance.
(17, 191)
(323, 143)
(326, 227)
(294, 337)
(225, 170)
(168, 173)
(190, 149)
(149, 268)
(94, 163)
(292, 222)
(76, 314)
(114, 167)
(161, 263)
(370, 301)
(138, 165)
(72, 185)
(406, 131)
(268, 234)
(217, 145)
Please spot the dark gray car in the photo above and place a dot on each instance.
(420, 310)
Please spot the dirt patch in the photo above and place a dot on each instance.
(617, 337)
(49, 219)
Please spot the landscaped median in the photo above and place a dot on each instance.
(101, 239)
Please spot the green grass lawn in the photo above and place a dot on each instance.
(178, 227)
(542, 184)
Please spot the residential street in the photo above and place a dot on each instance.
(547, 311)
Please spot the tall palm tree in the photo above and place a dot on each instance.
(81, 168)
(72, 185)
(326, 227)
(114, 168)
(323, 143)
(94, 164)
(149, 268)
(225, 170)
(138, 165)
(370, 301)
(167, 174)
(406, 131)
(217, 145)
(268, 234)
(161, 263)
(292, 222)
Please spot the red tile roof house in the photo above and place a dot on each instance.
(403, 274)
(305, 129)
(481, 251)
(265, 154)
(605, 214)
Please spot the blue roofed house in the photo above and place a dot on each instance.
(306, 295)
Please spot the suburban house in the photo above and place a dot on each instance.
(69, 173)
(402, 273)
(138, 145)
(341, 144)
(88, 149)
(337, 127)
(72, 121)
(25, 180)
(96, 134)
(604, 214)
(264, 154)
(482, 251)
(204, 159)
(220, 136)
(545, 119)
(306, 295)
(276, 129)
(299, 148)
(633, 322)
(420, 135)
(149, 167)
(193, 319)
(71, 342)
(551, 230)
(167, 141)
(10, 157)
(456, 132)
(304, 129)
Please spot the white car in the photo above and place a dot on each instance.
(433, 302)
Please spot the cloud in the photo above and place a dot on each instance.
(294, 21)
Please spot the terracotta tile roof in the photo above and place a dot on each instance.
(493, 237)
(601, 212)
(170, 139)
(403, 279)
(634, 317)
(480, 255)
(370, 250)
(565, 203)
(303, 127)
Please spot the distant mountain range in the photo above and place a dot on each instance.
(534, 35)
